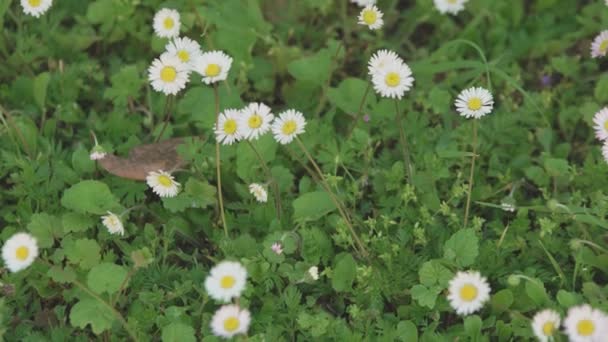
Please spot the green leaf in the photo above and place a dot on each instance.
(125, 83)
(407, 331)
(62, 275)
(196, 194)
(567, 299)
(344, 273)
(45, 228)
(313, 69)
(472, 327)
(106, 277)
(89, 196)
(142, 257)
(90, 311)
(81, 161)
(248, 166)
(348, 95)
(178, 332)
(434, 273)
(536, 291)
(601, 89)
(84, 252)
(312, 206)
(462, 247)
(75, 222)
(502, 301)
(41, 84)
(425, 296)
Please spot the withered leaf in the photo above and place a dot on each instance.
(145, 158)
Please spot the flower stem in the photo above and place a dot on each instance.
(273, 182)
(218, 162)
(168, 113)
(404, 146)
(468, 205)
(361, 104)
(334, 199)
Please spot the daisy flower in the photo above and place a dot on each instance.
(450, 6)
(162, 183)
(186, 49)
(213, 66)
(113, 223)
(313, 272)
(545, 324)
(468, 291)
(474, 102)
(227, 128)
(601, 124)
(381, 59)
(371, 17)
(393, 81)
(166, 23)
(97, 153)
(585, 324)
(258, 192)
(255, 120)
(599, 47)
(36, 8)
(363, 3)
(226, 281)
(19, 251)
(230, 320)
(168, 74)
(288, 125)
(277, 248)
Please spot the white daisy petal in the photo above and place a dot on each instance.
(468, 291)
(601, 124)
(255, 120)
(36, 8)
(213, 66)
(545, 324)
(288, 125)
(363, 3)
(258, 192)
(113, 223)
(230, 320)
(599, 46)
(474, 102)
(186, 49)
(393, 81)
(585, 324)
(19, 251)
(227, 130)
(381, 59)
(450, 6)
(163, 184)
(371, 17)
(226, 281)
(168, 74)
(167, 23)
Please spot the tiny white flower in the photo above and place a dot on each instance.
(288, 125)
(599, 46)
(258, 192)
(167, 23)
(545, 324)
(36, 8)
(19, 251)
(97, 153)
(474, 102)
(162, 183)
(371, 17)
(255, 120)
(314, 272)
(450, 6)
(363, 3)
(186, 49)
(113, 223)
(468, 291)
(213, 66)
(585, 324)
(168, 74)
(230, 320)
(381, 59)
(227, 130)
(393, 81)
(277, 248)
(601, 124)
(226, 281)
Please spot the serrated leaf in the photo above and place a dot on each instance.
(76, 222)
(178, 332)
(62, 275)
(462, 247)
(106, 277)
(89, 196)
(433, 273)
(425, 296)
(83, 252)
(45, 228)
(344, 274)
(90, 311)
(312, 205)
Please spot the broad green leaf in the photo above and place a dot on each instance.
(425, 296)
(407, 331)
(106, 277)
(90, 311)
(76, 222)
(344, 273)
(61, 274)
(536, 291)
(348, 95)
(41, 84)
(45, 228)
(313, 69)
(462, 247)
(89, 196)
(178, 332)
(81, 161)
(312, 205)
(434, 273)
(84, 252)
(502, 301)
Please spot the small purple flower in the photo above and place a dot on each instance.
(366, 118)
(277, 248)
(546, 80)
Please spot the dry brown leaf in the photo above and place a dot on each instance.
(145, 158)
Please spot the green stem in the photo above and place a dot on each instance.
(469, 192)
(167, 112)
(218, 167)
(404, 146)
(361, 104)
(273, 182)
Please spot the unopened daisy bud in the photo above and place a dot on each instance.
(545, 325)
(474, 102)
(468, 292)
(258, 192)
(288, 125)
(314, 272)
(167, 23)
(514, 280)
(586, 324)
(371, 17)
(230, 320)
(36, 8)
(450, 6)
(277, 248)
(599, 46)
(19, 251)
(227, 130)
(113, 223)
(162, 183)
(213, 66)
(97, 153)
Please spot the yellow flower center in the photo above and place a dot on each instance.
(468, 293)
(289, 127)
(34, 3)
(606, 125)
(183, 55)
(227, 282)
(112, 221)
(585, 327)
(231, 324)
(369, 17)
(255, 121)
(604, 46)
(548, 328)
(165, 181)
(22, 253)
(168, 74)
(474, 103)
(392, 79)
(212, 70)
(168, 23)
(230, 126)
(452, 2)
